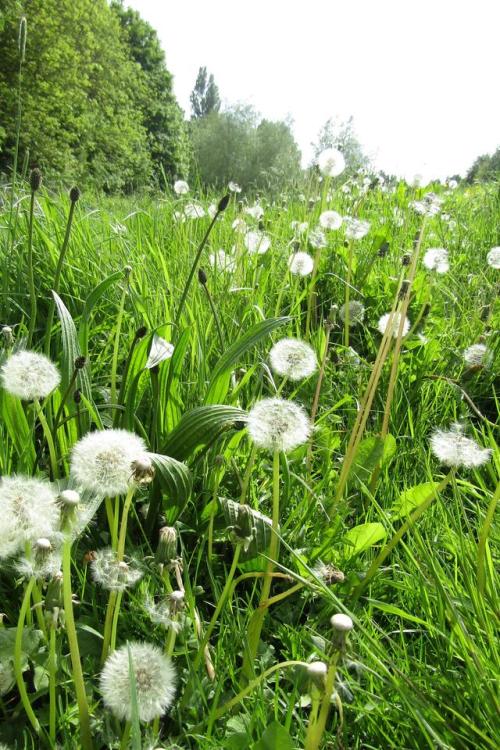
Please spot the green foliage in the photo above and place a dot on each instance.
(341, 135)
(235, 145)
(486, 168)
(205, 97)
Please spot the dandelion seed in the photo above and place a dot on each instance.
(493, 257)
(101, 462)
(351, 357)
(29, 511)
(436, 259)
(222, 261)
(181, 187)
(331, 162)
(256, 212)
(257, 242)
(356, 313)
(396, 320)
(166, 613)
(300, 264)
(155, 679)
(300, 227)
(278, 425)
(212, 210)
(317, 239)
(194, 211)
(293, 359)
(234, 187)
(452, 448)
(430, 205)
(477, 355)
(113, 574)
(330, 220)
(29, 375)
(356, 229)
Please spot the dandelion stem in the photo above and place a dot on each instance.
(57, 277)
(18, 669)
(83, 709)
(52, 669)
(48, 437)
(317, 726)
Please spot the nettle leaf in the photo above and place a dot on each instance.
(261, 528)
(372, 451)
(275, 737)
(175, 478)
(364, 536)
(412, 498)
(200, 427)
(221, 377)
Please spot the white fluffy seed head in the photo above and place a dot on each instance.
(330, 220)
(356, 313)
(28, 511)
(113, 574)
(293, 359)
(300, 264)
(70, 498)
(436, 259)
(221, 261)
(476, 355)
(194, 211)
(454, 449)
(331, 162)
(278, 425)
(356, 229)
(493, 257)
(341, 623)
(101, 462)
(29, 375)
(317, 239)
(181, 187)
(396, 320)
(155, 679)
(257, 242)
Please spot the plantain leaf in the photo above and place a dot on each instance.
(71, 350)
(412, 498)
(364, 536)
(221, 377)
(176, 479)
(90, 303)
(199, 427)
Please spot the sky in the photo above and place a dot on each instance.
(421, 79)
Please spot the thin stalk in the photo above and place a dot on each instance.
(396, 538)
(52, 665)
(114, 627)
(483, 540)
(57, 278)
(348, 292)
(216, 318)
(18, 669)
(257, 619)
(31, 274)
(48, 437)
(65, 397)
(317, 392)
(123, 383)
(316, 728)
(81, 697)
(116, 345)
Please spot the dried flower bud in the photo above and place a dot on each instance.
(383, 250)
(405, 286)
(74, 194)
(317, 671)
(8, 335)
(35, 180)
(405, 260)
(223, 203)
(77, 396)
(167, 545)
(141, 332)
(53, 597)
(202, 276)
(143, 470)
(80, 363)
(243, 530)
(426, 310)
(127, 271)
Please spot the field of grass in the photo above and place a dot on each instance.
(370, 523)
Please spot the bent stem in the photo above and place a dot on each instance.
(257, 619)
(48, 437)
(18, 669)
(81, 697)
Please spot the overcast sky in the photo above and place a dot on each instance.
(421, 79)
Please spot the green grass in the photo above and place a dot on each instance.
(421, 665)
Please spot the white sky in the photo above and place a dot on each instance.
(420, 77)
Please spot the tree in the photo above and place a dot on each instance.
(341, 135)
(163, 119)
(205, 97)
(485, 168)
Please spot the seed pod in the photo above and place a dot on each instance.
(167, 545)
(141, 332)
(202, 276)
(21, 38)
(74, 194)
(35, 179)
(223, 203)
(80, 363)
(383, 250)
(405, 260)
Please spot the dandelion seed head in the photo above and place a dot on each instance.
(101, 462)
(257, 242)
(29, 375)
(28, 510)
(278, 425)
(181, 187)
(256, 212)
(454, 449)
(300, 227)
(317, 239)
(330, 220)
(300, 264)
(436, 259)
(113, 574)
(155, 679)
(222, 261)
(396, 320)
(331, 162)
(493, 257)
(194, 211)
(239, 225)
(293, 359)
(234, 187)
(356, 313)
(356, 229)
(477, 355)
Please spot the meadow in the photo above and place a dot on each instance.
(250, 500)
